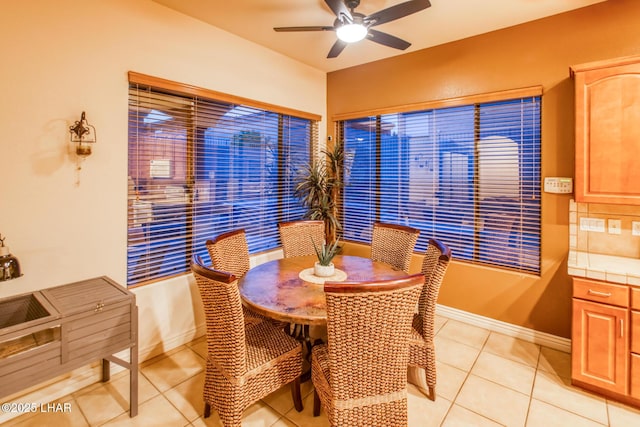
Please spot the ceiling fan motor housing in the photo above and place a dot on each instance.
(352, 4)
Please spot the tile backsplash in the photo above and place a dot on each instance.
(603, 242)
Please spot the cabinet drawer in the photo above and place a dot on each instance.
(603, 292)
(635, 298)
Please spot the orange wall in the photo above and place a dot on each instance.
(536, 53)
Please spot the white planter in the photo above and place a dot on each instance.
(323, 270)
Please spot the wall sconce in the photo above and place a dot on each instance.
(9, 265)
(83, 135)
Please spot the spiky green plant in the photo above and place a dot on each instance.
(327, 252)
(318, 188)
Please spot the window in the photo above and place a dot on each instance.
(200, 166)
(466, 174)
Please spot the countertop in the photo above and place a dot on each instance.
(613, 269)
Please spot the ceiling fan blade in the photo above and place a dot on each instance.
(395, 12)
(340, 10)
(314, 28)
(337, 47)
(387, 39)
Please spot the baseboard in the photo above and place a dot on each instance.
(169, 343)
(526, 334)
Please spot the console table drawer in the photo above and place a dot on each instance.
(95, 333)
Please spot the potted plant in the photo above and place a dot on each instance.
(324, 267)
(319, 187)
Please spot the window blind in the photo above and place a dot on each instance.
(468, 175)
(199, 167)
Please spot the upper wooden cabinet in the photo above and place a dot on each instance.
(608, 131)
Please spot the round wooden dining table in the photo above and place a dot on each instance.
(286, 290)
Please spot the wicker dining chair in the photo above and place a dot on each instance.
(229, 252)
(243, 364)
(393, 244)
(297, 237)
(422, 351)
(360, 375)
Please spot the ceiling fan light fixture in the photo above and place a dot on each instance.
(351, 26)
(351, 33)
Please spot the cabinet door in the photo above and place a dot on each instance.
(635, 332)
(608, 134)
(635, 376)
(635, 354)
(600, 345)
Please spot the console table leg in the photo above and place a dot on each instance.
(106, 370)
(133, 369)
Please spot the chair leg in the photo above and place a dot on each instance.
(316, 404)
(295, 394)
(207, 410)
(431, 382)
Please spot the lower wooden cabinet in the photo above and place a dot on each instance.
(605, 353)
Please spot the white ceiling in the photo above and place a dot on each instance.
(444, 21)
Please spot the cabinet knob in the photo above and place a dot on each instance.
(99, 307)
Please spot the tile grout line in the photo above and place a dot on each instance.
(572, 412)
(468, 373)
(493, 382)
(189, 422)
(162, 393)
(533, 385)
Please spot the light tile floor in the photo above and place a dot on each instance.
(484, 379)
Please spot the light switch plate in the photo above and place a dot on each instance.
(635, 228)
(615, 226)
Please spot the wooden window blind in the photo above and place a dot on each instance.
(466, 174)
(200, 166)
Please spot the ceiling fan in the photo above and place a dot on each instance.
(352, 26)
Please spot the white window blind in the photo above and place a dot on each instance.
(468, 175)
(199, 167)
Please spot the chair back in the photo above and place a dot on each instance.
(434, 266)
(296, 237)
(368, 328)
(223, 314)
(229, 252)
(393, 244)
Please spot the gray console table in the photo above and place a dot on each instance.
(49, 332)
